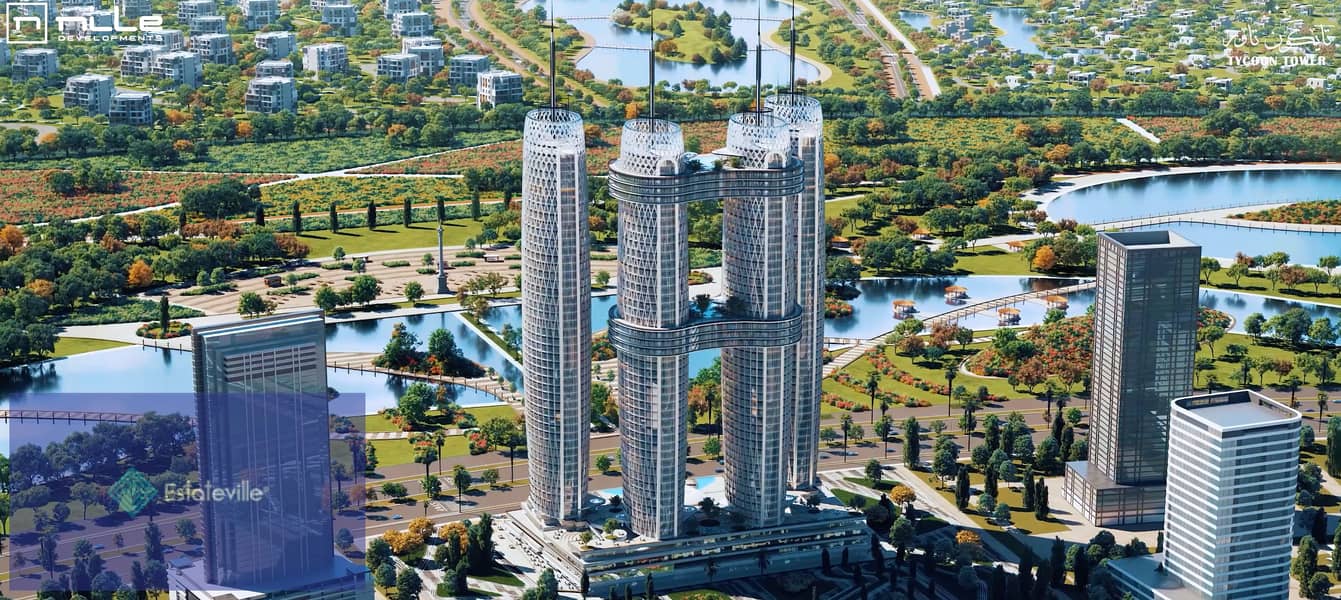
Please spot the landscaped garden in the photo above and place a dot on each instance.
(31, 196)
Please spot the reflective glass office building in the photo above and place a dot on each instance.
(262, 413)
(1145, 328)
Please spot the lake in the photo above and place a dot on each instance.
(1016, 34)
(612, 61)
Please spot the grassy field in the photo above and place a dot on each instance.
(390, 237)
(377, 423)
(693, 41)
(929, 372)
(1227, 373)
(70, 346)
(991, 260)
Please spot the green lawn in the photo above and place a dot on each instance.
(846, 497)
(692, 41)
(376, 423)
(1227, 373)
(70, 346)
(399, 452)
(991, 260)
(1023, 520)
(1256, 282)
(390, 237)
(501, 577)
(931, 372)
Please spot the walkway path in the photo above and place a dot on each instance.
(973, 309)
(363, 361)
(1141, 131)
(1221, 217)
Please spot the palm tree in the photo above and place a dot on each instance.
(1322, 405)
(873, 386)
(439, 438)
(462, 479)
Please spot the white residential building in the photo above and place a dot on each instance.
(277, 44)
(258, 13)
(398, 67)
(326, 58)
(213, 47)
(465, 69)
(412, 24)
(91, 92)
(170, 39)
(182, 67)
(391, 8)
(134, 9)
(274, 68)
(429, 50)
(498, 87)
(190, 9)
(342, 17)
(271, 95)
(138, 61)
(132, 108)
(34, 62)
(1229, 517)
(209, 24)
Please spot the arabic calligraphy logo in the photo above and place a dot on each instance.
(1235, 38)
(132, 492)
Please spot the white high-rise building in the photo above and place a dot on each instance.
(342, 17)
(497, 87)
(139, 60)
(258, 13)
(190, 9)
(91, 92)
(34, 62)
(274, 68)
(206, 24)
(1229, 514)
(412, 24)
(181, 67)
(132, 108)
(807, 141)
(277, 44)
(213, 47)
(271, 95)
(556, 312)
(398, 67)
(429, 50)
(326, 58)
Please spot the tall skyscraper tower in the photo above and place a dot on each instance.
(1235, 455)
(261, 407)
(806, 120)
(1145, 337)
(556, 308)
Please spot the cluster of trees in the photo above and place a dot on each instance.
(362, 290)
(89, 578)
(892, 254)
(465, 548)
(85, 178)
(1313, 580)
(153, 445)
(1066, 246)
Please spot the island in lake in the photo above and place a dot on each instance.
(690, 33)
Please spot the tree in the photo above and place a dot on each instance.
(408, 584)
(1305, 562)
(603, 463)
(1041, 508)
(372, 215)
(962, 490)
(1002, 513)
(334, 219)
(1318, 586)
(1208, 266)
(326, 298)
(414, 292)
(1209, 335)
(874, 472)
(912, 444)
(432, 486)
(712, 447)
(883, 428)
(462, 479)
(873, 386)
(186, 528)
(943, 464)
(251, 304)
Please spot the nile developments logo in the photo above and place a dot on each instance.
(132, 492)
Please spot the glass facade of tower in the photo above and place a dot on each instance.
(1145, 327)
(261, 405)
(556, 313)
